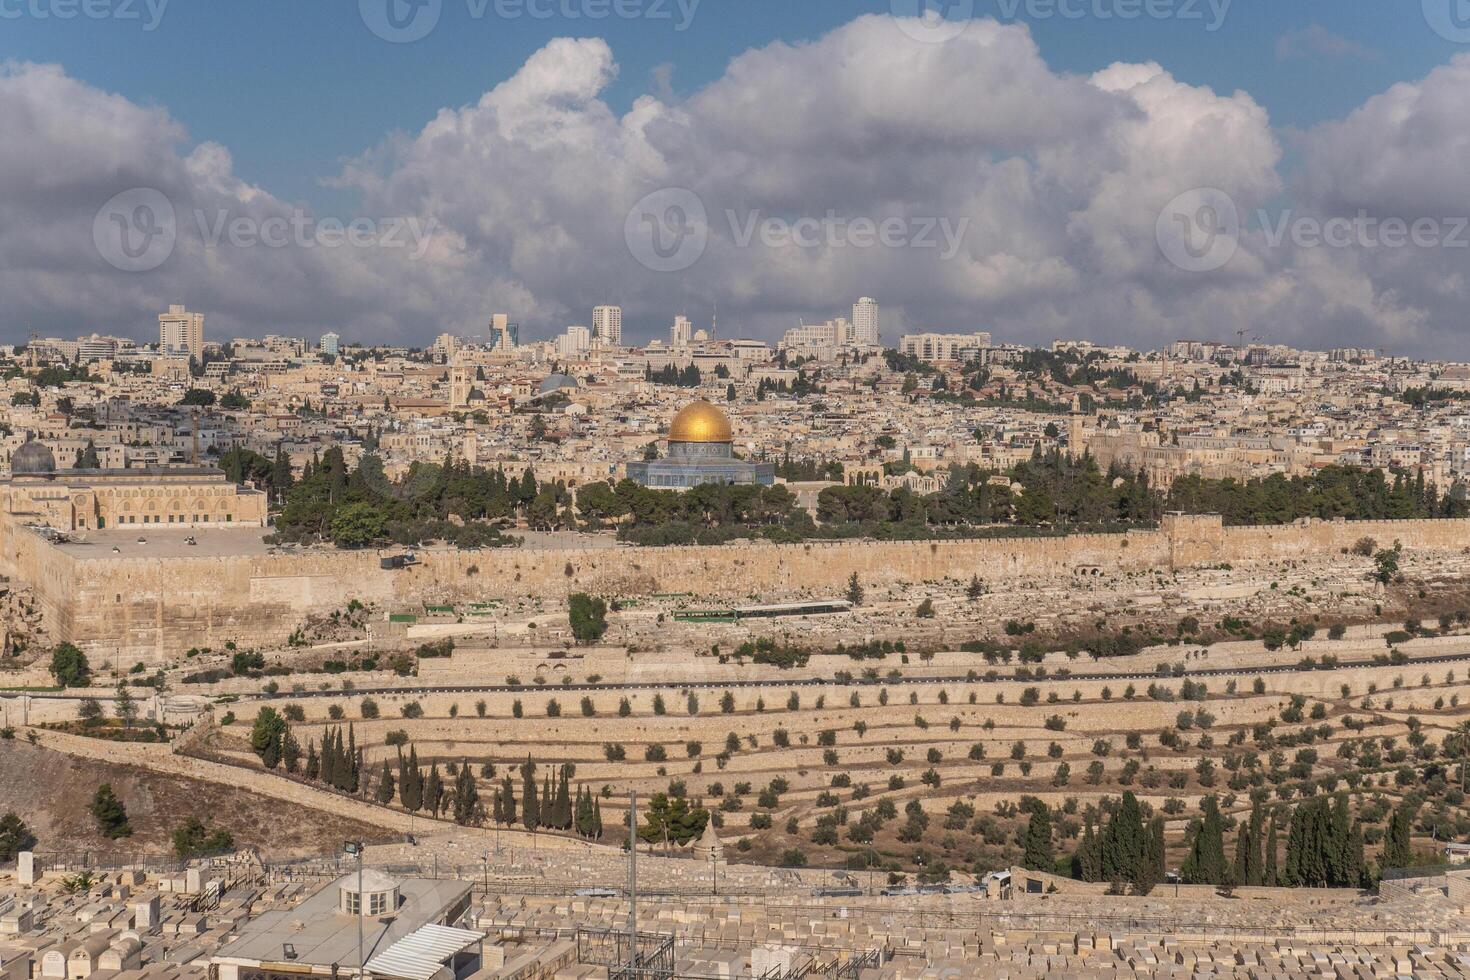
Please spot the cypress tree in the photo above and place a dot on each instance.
(1341, 872)
(584, 818)
(530, 806)
(548, 802)
(1038, 852)
(1124, 845)
(466, 796)
(1269, 874)
(291, 752)
(342, 767)
(353, 778)
(271, 757)
(1153, 864)
(328, 767)
(1254, 873)
(411, 787)
(434, 791)
(385, 785)
(313, 762)
(1205, 864)
(596, 818)
(508, 800)
(564, 799)
(1397, 852)
(1243, 848)
(1357, 865)
(1088, 863)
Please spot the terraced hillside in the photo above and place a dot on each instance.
(918, 764)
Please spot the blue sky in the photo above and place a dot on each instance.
(1068, 152)
(293, 86)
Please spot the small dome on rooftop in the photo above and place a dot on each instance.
(556, 382)
(33, 457)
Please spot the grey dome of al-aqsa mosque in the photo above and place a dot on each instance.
(33, 457)
(558, 382)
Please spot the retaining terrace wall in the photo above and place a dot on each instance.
(151, 608)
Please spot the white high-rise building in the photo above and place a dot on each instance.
(832, 334)
(682, 333)
(607, 325)
(575, 341)
(330, 344)
(865, 322)
(181, 332)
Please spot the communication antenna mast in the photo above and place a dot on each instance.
(633, 882)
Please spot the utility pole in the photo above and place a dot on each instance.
(633, 880)
(355, 848)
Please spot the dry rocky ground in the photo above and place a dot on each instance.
(52, 792)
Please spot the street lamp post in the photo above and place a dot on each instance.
(355, 848)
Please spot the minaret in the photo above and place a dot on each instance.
(1076, 443)
(471, 445)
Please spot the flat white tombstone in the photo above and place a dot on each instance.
(26, 867)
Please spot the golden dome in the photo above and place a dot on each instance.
(700, 422)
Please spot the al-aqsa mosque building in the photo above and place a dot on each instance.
(701, 450)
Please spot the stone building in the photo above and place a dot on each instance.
(93, 499)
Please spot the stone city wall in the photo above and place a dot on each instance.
(152, 608)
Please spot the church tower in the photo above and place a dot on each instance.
(1076, 437)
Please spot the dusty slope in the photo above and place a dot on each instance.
(52, 792)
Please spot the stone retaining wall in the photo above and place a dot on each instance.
(151, 608)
